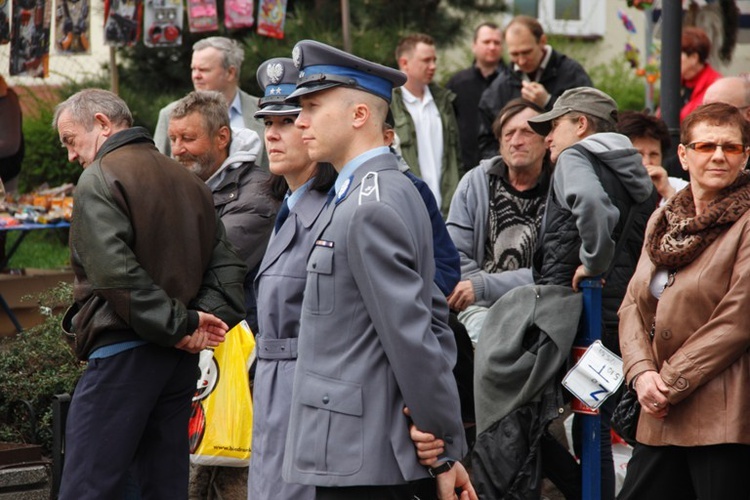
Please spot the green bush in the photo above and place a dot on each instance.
(36, 364)
(619, 81)
(45, 160)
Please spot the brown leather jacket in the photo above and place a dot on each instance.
(147, 249)
(701, 344)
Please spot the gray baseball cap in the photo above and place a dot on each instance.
(581, 99)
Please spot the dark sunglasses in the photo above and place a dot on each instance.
(710, 147)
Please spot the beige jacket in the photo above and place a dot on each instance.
(701, 344)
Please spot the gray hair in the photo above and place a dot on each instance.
(233, 54)
(210, 104)
(85, 104)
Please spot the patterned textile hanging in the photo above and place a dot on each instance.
(72, 26)
(271, 18)
(29, 39)
(122, 22)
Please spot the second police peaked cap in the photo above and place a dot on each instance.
(323, 67)
(277, 78)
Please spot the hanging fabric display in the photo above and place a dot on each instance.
(202, 16)
(238, 14)
(4, 22)
(162, 23)
(122, 22)
(72, 26)
(271, 17)
(29, 39)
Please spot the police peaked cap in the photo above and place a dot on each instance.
(277, 78)
(323, 67)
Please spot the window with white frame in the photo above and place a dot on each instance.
(585, 18)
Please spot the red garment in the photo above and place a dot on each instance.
(699, 84)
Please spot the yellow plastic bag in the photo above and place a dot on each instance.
(221, 421)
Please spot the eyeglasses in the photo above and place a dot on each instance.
(710, 147)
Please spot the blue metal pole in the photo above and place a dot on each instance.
(591, 455)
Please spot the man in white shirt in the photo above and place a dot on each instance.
(425, 119)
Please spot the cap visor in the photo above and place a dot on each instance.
(542, 124)
(277, 110)
(309, 89)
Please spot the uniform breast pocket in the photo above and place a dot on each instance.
(319, 290)
(331, 434)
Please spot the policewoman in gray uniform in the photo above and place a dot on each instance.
(373, 332)
(281, 280)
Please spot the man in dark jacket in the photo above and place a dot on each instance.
(469, 84)
(538, 73)
(226, 159)
(156, 282)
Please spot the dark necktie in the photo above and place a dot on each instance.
(282, 215)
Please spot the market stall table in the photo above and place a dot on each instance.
(24, 229)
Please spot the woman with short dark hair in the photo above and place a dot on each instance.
(684, 326)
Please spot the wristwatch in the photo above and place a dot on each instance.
(444, 467)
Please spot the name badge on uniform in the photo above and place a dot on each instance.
(324, 243)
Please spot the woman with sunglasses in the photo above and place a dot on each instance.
(303, 185)
(685, 326)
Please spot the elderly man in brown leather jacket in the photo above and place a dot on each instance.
(156, 282)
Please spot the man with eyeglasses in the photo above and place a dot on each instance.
(600, 194)
(538, 73)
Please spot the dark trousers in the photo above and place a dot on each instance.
(681, 473)
(424, 489)
(129, 413)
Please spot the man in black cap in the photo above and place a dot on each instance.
(373, 337)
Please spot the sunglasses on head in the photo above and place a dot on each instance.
(710, 147)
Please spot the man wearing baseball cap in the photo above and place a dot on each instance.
(599, 202)
(373, 332)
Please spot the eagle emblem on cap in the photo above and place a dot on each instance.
(297, 57)
(275, 72)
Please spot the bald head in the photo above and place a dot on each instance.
(733, 90)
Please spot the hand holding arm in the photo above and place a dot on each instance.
(652, 394)
(210, 333)
(457, 477)
(428, 447)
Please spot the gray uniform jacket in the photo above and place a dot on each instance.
(279, 287)
(373, 339)
(249, 105)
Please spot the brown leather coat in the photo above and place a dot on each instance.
(147, 249)
(701, 343)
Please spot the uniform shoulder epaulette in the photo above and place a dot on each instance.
(369, 189)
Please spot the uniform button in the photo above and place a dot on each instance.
(326, 400)
(666, 334)
(283, 348)
(231, 195)
(314, 265)
(681, 383)
(449, 439)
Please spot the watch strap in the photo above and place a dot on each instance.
(444, 467)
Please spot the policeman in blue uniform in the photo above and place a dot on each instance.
(373, 332)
